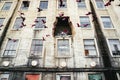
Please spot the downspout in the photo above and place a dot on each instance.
(103, 47)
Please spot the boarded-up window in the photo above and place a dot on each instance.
(90, 49)
(36, 47)
(32, 77)
(10, 49)
(63, 47)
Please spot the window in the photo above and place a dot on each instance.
(107, 22)
(1, 21)
(100, 4)
(32, 77)
(81, 4)
(62, 4)
(114, 46)
(63, 47)
(18, 23)
(40, 22)
(90, 48)
(7, 6)
(10, 49)
(43, 4)
(37, 47)
(95, 76)
(25, 5)
(4, 76)
(84, 22)
(63, 77)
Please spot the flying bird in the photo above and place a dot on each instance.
(78, 0)
(39, 9)
(36, 21)
(45, 26)
(78, 25)
(33, 25)
(23, 24)
(1, 25)
(43, 38)
(61, 14)
(61, 3)
(88, 13)
(108, 3)
(85, 25)
(43, 21)
(47, 35)
(23, 18)
(21, 13)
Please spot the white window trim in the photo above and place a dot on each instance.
(12, 26)
(107, 39)
(101, 22)
(4, 47)
(40, 56)
(47, 6)
(96, 46)
(102, 9)
(70, 74)
(10, 7)
(56, 52)
(83, 8)
(90, 19)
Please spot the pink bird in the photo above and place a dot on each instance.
(47, 35)
(88, 13)
(108, 3)
(36, 21)
(78, 25)
(33, 25)
(43, 21)
(85, 25)
(1, 25)
(78, 0)
(43, 38)
(61, 14)
(39, 9)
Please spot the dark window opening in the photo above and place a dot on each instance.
(25, 4)
(62, 27)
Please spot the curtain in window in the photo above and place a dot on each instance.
(32, 77)
(95, 77)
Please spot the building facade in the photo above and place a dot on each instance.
(59, 40)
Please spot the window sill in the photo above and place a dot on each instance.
(92, 56)
(63, 56)
(16, 29)
(109, 28)
(38, 29)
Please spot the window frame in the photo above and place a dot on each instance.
(63, 74)
(95, 45)
(42, 24)
(108, 17)
(40, 74)
(68, 55)
(102, 76)
(88, 22)
(4, 6)
(82, 2)
(15, 28)
(110, 46)
(2, 19)
(22, 5)
(17, 45)
(45, 7)
(97, 2)
(42, 52)
(64, 2)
